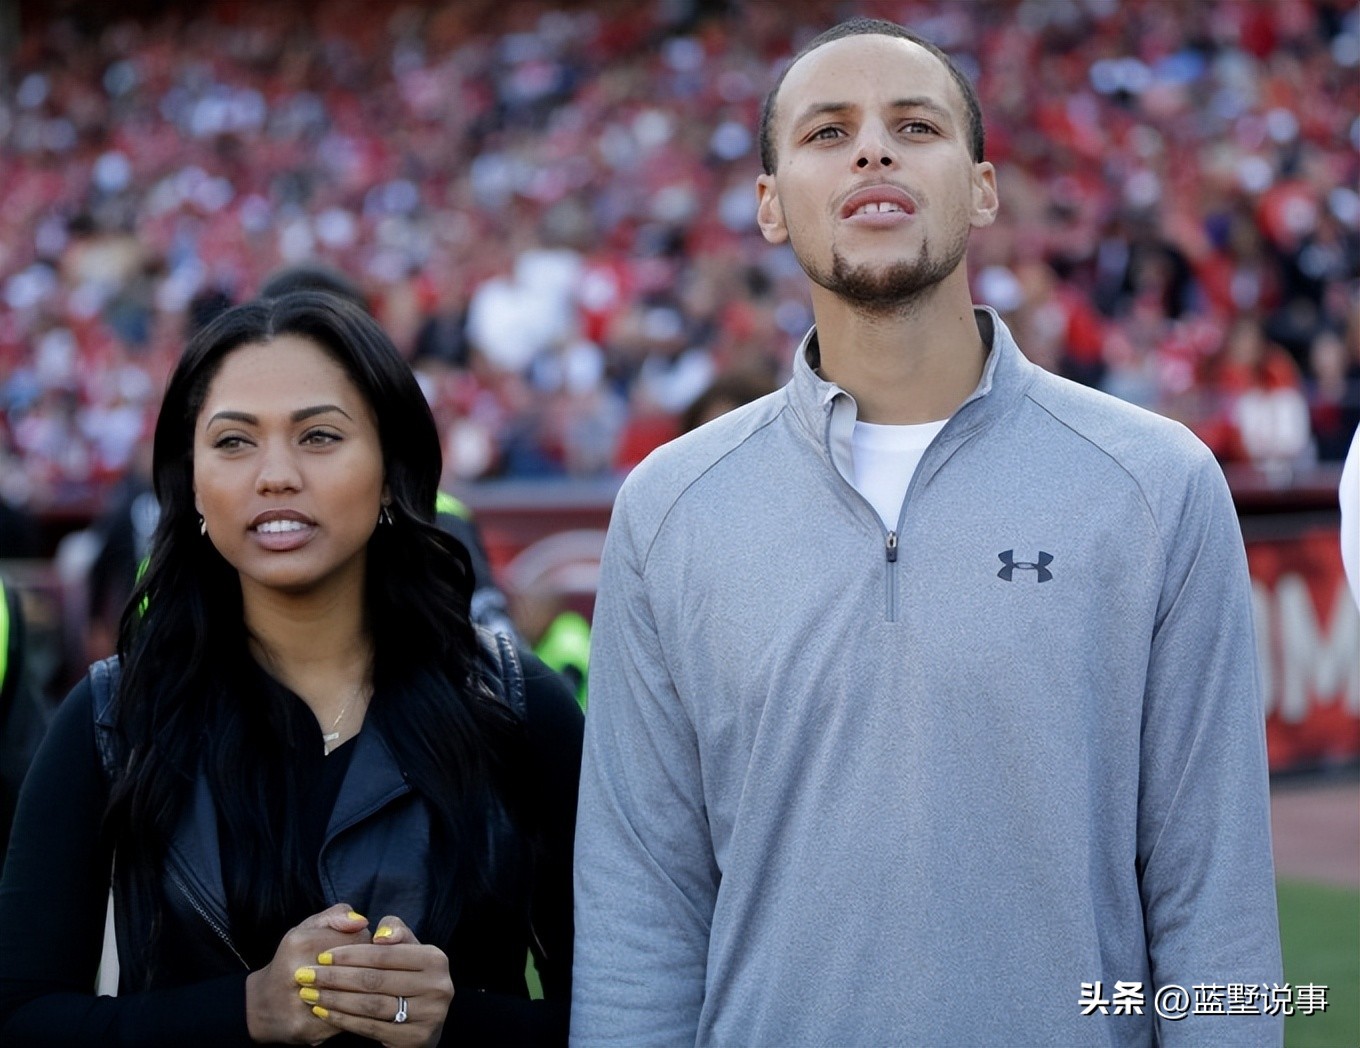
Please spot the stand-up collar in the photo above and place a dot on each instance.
(828, 413)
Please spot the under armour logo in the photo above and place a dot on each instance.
(1039, 567)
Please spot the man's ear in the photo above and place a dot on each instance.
(769, 211)
(985, 202)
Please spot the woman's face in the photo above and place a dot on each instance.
(288, 469)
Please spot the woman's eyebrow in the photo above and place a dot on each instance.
(233, 416)
(305, 413)
(300, 415)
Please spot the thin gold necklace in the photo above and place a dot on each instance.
(334, 734)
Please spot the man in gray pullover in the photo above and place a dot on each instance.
(924, 707)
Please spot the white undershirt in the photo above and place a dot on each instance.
(885, 459)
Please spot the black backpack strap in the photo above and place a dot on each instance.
(104, 677)
(502, 669)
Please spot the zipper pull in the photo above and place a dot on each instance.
(892, 547)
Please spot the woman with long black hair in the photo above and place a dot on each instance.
(324, 803)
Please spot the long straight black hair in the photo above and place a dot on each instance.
(183, 644)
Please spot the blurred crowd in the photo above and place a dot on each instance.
(551, 209)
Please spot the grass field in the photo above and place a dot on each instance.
(1320, 935)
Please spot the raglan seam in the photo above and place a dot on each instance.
(675, 501)
(1137, 483)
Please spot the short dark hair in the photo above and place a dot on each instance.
(872, 27)
(312, 276)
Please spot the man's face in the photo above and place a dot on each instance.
(875, 188)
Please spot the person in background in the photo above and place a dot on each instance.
(727, 391)
(20, 534)
(1333, 389)
(312, 276)
(124, 527)
(1261, 413)
(302, 726)
(560, 636)
(123, 531)
(924, 705)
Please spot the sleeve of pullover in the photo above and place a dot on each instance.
(1204, 859)
(52, 904)
(646, 879)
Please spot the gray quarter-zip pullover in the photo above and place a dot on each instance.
(846, 785)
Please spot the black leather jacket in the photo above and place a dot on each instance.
(375, 806)
(374, 854)
(358, 862)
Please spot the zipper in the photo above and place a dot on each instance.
(889, 541)
(208, 919)
(890, 548)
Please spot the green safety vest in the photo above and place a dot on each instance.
(446, 503)
(4, 634)
(566, 645)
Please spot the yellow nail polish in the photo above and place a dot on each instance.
(356, 916)
(383, 933)
(305, 976)
(320, 1012)
(309, 995)
(323, 958)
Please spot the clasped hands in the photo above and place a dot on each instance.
(329, 975)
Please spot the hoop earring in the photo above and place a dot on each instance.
(202, 526)
(385, 516)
